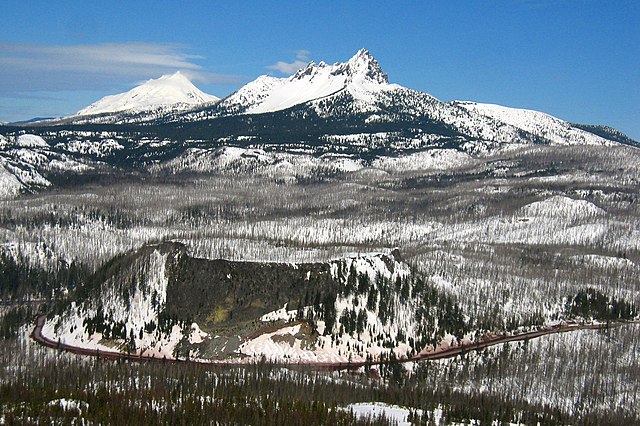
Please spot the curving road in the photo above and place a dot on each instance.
(437, 354)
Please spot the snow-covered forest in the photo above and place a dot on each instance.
(513, 239)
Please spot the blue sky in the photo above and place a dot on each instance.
(576, 59)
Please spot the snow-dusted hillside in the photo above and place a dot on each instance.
(368, 317)
(26, 159)
(169, 90)
(10, 186)
(538, 123)
(295, 167)
(121, 307)
(280, 166)
(361, 307)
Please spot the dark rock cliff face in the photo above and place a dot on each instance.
(149, 299)
(219, 292)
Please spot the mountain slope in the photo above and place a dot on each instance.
(608, 133)
(361, 76)
(27, 163)
(346, 108)
(175, 89)
(357, 94)
(551, 128)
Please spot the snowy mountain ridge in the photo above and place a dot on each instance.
(174, 89)
(355, 96)
(347, 109)
(551, 128)
(361, 76)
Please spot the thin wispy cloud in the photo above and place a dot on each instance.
(203, 77)
(112, 58)
(81, 67)
(288, 68)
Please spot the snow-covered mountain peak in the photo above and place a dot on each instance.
(361, 76)
(308, 71)
(173, 89)
(365, 65)
(175, 76)
(361, 66)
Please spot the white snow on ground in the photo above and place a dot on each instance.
(162, 347)
(10, 186)
(355, 138)
(146, 300)
(444, 284)
(605, 261)
(276, 165)
(287, 343)
(147, 297)
(393, 413)
(26, 157)
(69, 404)
(67, 164)
(280, 315)
(29, 156)
(143, 308)
(36, 253)
(229, 154)
(437, 159)
(99, 148)
(197, 335)
(558, 220)
(366, 341)
(400, 415)
(25, 173)
(31, 141)
(551, 128)
(72, 332)
(343, 163)
(561, 206)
